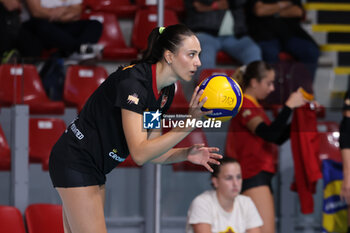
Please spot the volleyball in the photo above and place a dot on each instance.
(224, 97)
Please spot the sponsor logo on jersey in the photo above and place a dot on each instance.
(78, 134)
(151, 120)
(133, 99)
(164, 100)
(113, 154)
(127, 67)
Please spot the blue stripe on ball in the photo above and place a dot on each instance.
(218, 112)
(205, 83)
(237, 92)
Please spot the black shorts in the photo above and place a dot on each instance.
(261, 179)
(63, 156)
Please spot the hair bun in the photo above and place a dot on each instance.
(243, 69)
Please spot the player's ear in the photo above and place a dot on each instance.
(168, 56)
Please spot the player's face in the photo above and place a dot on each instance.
(186, 60)
(266, 85)
(228, 184)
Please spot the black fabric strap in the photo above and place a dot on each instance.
(278, 131)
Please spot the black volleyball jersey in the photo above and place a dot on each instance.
(99, 127)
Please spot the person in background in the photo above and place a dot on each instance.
(10, 24)
(58, 25)
(275, 26)
(224, 209)
(220, 25)
(252, 138)
(344, 142)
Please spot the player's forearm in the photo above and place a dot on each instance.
(172, 156)
(155, 148)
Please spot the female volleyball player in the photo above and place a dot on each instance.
(224, 209)
(109, 127)
(252, 138)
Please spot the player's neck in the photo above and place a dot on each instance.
(164, 76)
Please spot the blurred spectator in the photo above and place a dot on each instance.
(220, 26)
(275, 26)
(9, 27)
(58, 25)
(224, 209)
(252, 138)
(344, 140)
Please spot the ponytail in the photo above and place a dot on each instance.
(238, 75)
(164, 38)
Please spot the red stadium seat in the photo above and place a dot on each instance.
(81, 82)
(129, 162)
(224, 59)
(21, 84)
(209, 72)
(329, 140)
(43, 134)
(112, 38)
(145, 21)
(284, 56)
(44, 218)
(121, 8)
(175, 5)
(11, 220)
(5, 153)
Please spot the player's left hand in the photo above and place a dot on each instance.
(201, 155)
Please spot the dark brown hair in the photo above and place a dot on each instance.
(223, 161)
(169, 39)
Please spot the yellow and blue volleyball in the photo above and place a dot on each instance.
(224, 97)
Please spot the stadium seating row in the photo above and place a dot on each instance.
(43, 133)
(144, 20)
(128, 8)
(39, 218)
